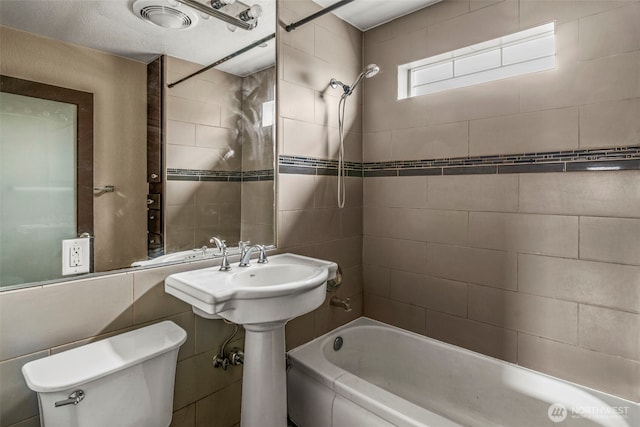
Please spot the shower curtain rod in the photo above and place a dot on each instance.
(225, 59)
(318, 14)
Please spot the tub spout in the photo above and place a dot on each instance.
(343, 303)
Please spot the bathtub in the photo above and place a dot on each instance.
(386, 376)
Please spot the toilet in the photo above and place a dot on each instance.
(125, 381)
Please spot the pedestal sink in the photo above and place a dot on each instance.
(262, 298)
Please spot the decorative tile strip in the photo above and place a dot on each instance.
(617, 158)
(221, 176)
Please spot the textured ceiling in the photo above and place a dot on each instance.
(111, 26)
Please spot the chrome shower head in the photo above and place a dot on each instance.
(368, 72)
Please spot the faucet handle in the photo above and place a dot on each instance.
(262, 258)
(243, 246)
(220, 244)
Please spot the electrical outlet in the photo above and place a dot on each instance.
(75, 256)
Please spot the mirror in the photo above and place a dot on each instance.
(215, 130)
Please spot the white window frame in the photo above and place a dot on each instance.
(516, 54)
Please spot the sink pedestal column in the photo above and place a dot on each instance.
(264, 385)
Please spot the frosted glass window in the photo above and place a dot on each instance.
(37, 186)
(513, 55)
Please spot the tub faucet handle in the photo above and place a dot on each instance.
(343, 303)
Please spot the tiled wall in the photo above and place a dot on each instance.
(540, 269)
(39, 321)
(309, 221)
(258, 149)
(119, 127)
(202, 116)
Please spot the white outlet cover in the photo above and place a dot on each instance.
(77, 266)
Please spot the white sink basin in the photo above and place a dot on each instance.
(288, 286)
(262, 297)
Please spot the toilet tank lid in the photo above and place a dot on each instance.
(90, 362)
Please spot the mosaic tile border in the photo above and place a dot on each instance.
(617, 158)
(220, 176)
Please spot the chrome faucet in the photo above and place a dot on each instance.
(222, 247)
(343, 303)
(246, 255)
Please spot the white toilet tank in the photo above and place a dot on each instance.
(126, 380)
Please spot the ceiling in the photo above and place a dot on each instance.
(111, 26)
(366, 14)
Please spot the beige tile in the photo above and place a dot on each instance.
(538, 234)
(480, 337)
(376, 280)
(378, 221)
(185, 417)
(300, 330)
(609, 331)
(614, 194)
(326, 224)
(211, 334)
(606, 79)
(330, 317)
(601, 371)
(339, 50)
(546, 317)
(304, 69)
(218, 193)
(315, 143)
(209, 379)
(479, 4)
(326, 111)
(481, 266)
(38, 318)
(180, 217)
(346, 252)
(610, 239)
(296, 228)
(325, 194)
(17, 402)
(536, 12)
(297, 102)
(384, 112)
(430, 292)
(395, 313)
(403, 255)
(182, 157)
(477, 26)
(442, 141)
(549, 130)
(610, 124)
(428, 225)
(31, 422)
(302, 38)
(181, 192)
(352, 281)
(221, 409)
(409, 192)
(351, 219)
(151, 302)
(192, 111)
(611, 32)
(493, 193)
(216, 137)
(181, 133)
(295, 192)
(377, 146)
(611, 285)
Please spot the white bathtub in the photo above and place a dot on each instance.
(385, 376)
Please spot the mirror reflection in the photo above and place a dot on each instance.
(173, 164)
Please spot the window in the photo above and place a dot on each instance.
(513, 55)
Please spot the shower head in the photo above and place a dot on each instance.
(368, 72)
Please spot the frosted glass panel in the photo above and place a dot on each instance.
(37, 186)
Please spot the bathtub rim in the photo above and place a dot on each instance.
(305, 357)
